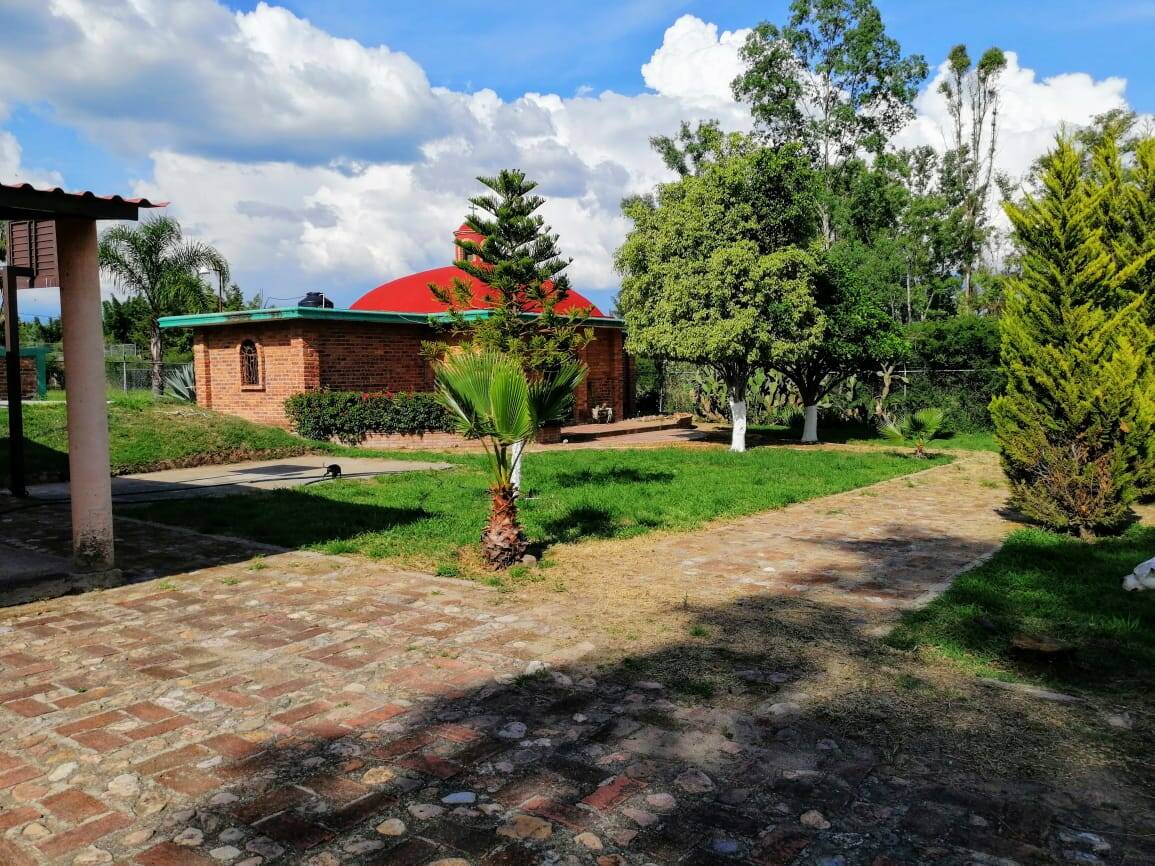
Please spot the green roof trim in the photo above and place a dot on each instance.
(321, 314)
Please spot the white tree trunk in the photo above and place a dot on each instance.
(518, 450)
(738, 414)
(810, 427)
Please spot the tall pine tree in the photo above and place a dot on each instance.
(519, 260)
(1075, 424)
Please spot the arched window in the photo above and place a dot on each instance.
(250, 365)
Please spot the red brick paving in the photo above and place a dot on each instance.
(73, 805)
(298, 706)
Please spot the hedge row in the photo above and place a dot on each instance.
(349, 416)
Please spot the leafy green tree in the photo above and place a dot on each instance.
(831, 78)
(153, 263)
(126, 321)
(857, 332)
(692, 148)
(495, 401)
(38, 333)
(1076, 424)
(717, 270)
(926, 236)
(966, 341)
(233, 299)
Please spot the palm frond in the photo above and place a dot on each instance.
(917, 429)
(463, 388)
(492, 398)
(509, 404)
(892, 432)
(551, 397)
(928, 422)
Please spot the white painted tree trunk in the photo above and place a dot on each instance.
(518, 450)
(810, 426)
(738, 414)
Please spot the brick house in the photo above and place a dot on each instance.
(33, 372)
(247, 363)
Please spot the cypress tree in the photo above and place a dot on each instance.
(1076, 421)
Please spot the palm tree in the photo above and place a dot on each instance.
(493, 400)
(155, 263)
(918, 430)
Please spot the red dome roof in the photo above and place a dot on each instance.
(411, 294)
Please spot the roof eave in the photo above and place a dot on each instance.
(241, 317)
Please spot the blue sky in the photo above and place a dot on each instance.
(562, 45)
(176, 109)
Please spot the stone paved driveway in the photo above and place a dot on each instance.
(300, 708)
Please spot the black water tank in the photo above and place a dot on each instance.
(315, 299)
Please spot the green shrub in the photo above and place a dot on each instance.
(349, 416)
(957, 360)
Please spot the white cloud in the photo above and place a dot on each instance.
(12, 169)
(196, 77)
(315, 162)
(695, 63)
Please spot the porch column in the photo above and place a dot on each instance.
(87, 395)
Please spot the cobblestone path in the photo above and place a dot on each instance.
(307, 709)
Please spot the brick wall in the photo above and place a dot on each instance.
(443, 441)
(27, 378)
(357, 356)
(287, 363)
(608, 381)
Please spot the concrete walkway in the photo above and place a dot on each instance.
(246, 477)
(334, 711)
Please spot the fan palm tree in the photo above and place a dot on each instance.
(917, 430)
(493, 400)
(154, 262)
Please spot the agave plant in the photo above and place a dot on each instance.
(493, 400)
(181, 383)
(916, 430)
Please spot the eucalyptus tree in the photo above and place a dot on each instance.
(833, 79)
(718, 269)
(971, 90)
(154, 263)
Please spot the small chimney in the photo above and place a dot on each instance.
(465, 233)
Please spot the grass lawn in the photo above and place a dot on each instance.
(425, 519)
(858, 434)
(146, 434)
(1053, 586)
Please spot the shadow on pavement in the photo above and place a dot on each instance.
(726, 748)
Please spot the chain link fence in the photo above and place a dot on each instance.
(136, 375)
(669, 387)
